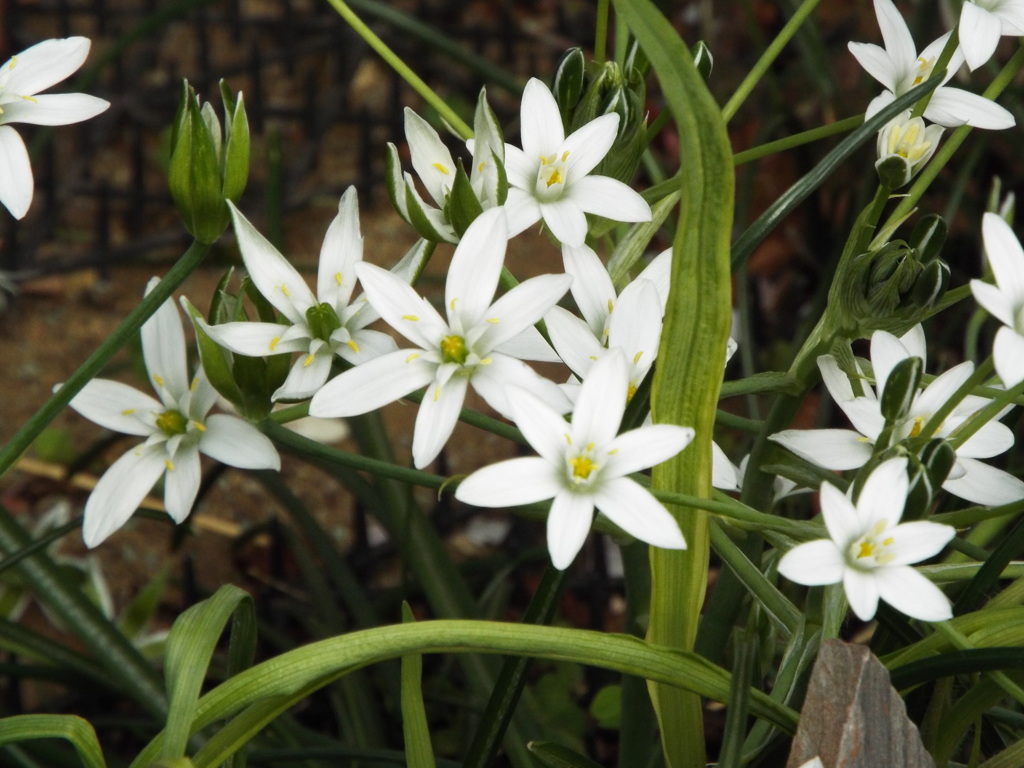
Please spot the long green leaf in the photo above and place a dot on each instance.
(189, 649)
(691, 357)
(557, 756)
(418, 751)
(74, 729)
(295, 674)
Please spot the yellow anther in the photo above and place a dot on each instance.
(481, 167)
(568, 438)
(918, 426)
(555, 177)
(127, 411)
(411, 318)
(452, 303)
(485, 361)
(273, 343)
(437, 393)
(158, 379)
(888, 542)
(611, 305)
(637, 356)
(353, 346)
(284, 290)
(14, 60)
(29, 98)
(493, 320)
(412, 357)
(867, 549)
(199, 425)
(441, 168)
(170, 466)
(630, 392)
(582, 466)
(337, 278)
(193, 384)
(309, 360)
(565, 155)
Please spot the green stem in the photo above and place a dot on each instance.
(509, 686)
(946, 151)
(981, 373)
(767, 58)
(601, 33)
(798, 139)
(402, 69)
(94, 364)
(982, 417)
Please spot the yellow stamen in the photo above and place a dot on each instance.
(273, 343)
(867, 549)
(412, 357)
(555, 178)
(411, 318)
(353, 346)
(441, 168)
(637, 356)
(582, 466)
(337, 278)
(493, 320)
(565, 155)
(170, 466)
(284, 290)
(193, 384)
(918, 426)
(309, 360)
(630, 392)
(127, 411)
(158, 379)
(437, 393)
(888, 542)
(199, 425)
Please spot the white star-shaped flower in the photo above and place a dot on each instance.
(841, 449)
(583, 465)
(898, 67)
(479, 343)
(548, 178)
(320, 325)
(21, 78)
(630, 322)
(176, 428)
(1005, 299)
(983, 22)
(870, 551)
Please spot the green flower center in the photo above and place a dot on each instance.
(453, 350)
(322, 321)
(172, 423)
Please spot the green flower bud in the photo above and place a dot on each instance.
(570, 78)
(702, 59)
(209, 164)
(901, 388)
(928, 470)
(462, 206)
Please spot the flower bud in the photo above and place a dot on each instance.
(901, 388)
(905, 144)
(927, 470)
(570, 78)
(209, 165)
(702, 59)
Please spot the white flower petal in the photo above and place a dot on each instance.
(255, 339)
(520, 169)
(545, 430)
(951, 107)
(120, 491)
(510, 483)
(876, 62)
(909, 592)
(917, 541)
(439, 411)
(886, 352)
(635, 326)
(1008, 349)
(522, 210)
(342, 249)
(941, 389)
(638, 513)
(529, 345)
(813, 563)
(602, 401)
(844, 522)
(865, 414)
(884, 494)
(43, 65)
(985, 485)
(541, 123)
(117, 407)
(604, 196)
(899, 45)
(373, 384)
(587, 146)
(181, 484)
(476, 267)
(1005, 256)
(979, 31)
(991, 440)
(519, 309)
(16, 184)
(202, 396)
(995, 300)
(430, 157)
(401, 307)
(54, 109)
(566, 220)
(659, 272)
(645, 447)
(493, 381)
(277, 280)
(861, 592)
(827, 448)
(568, 525)
(369, 344)
(308, 373)
(163, 347)
(592, 287)
(835, 379)
(573, 340)
(237, 443)
(724, 475)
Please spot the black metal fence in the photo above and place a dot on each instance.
(321, 105)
